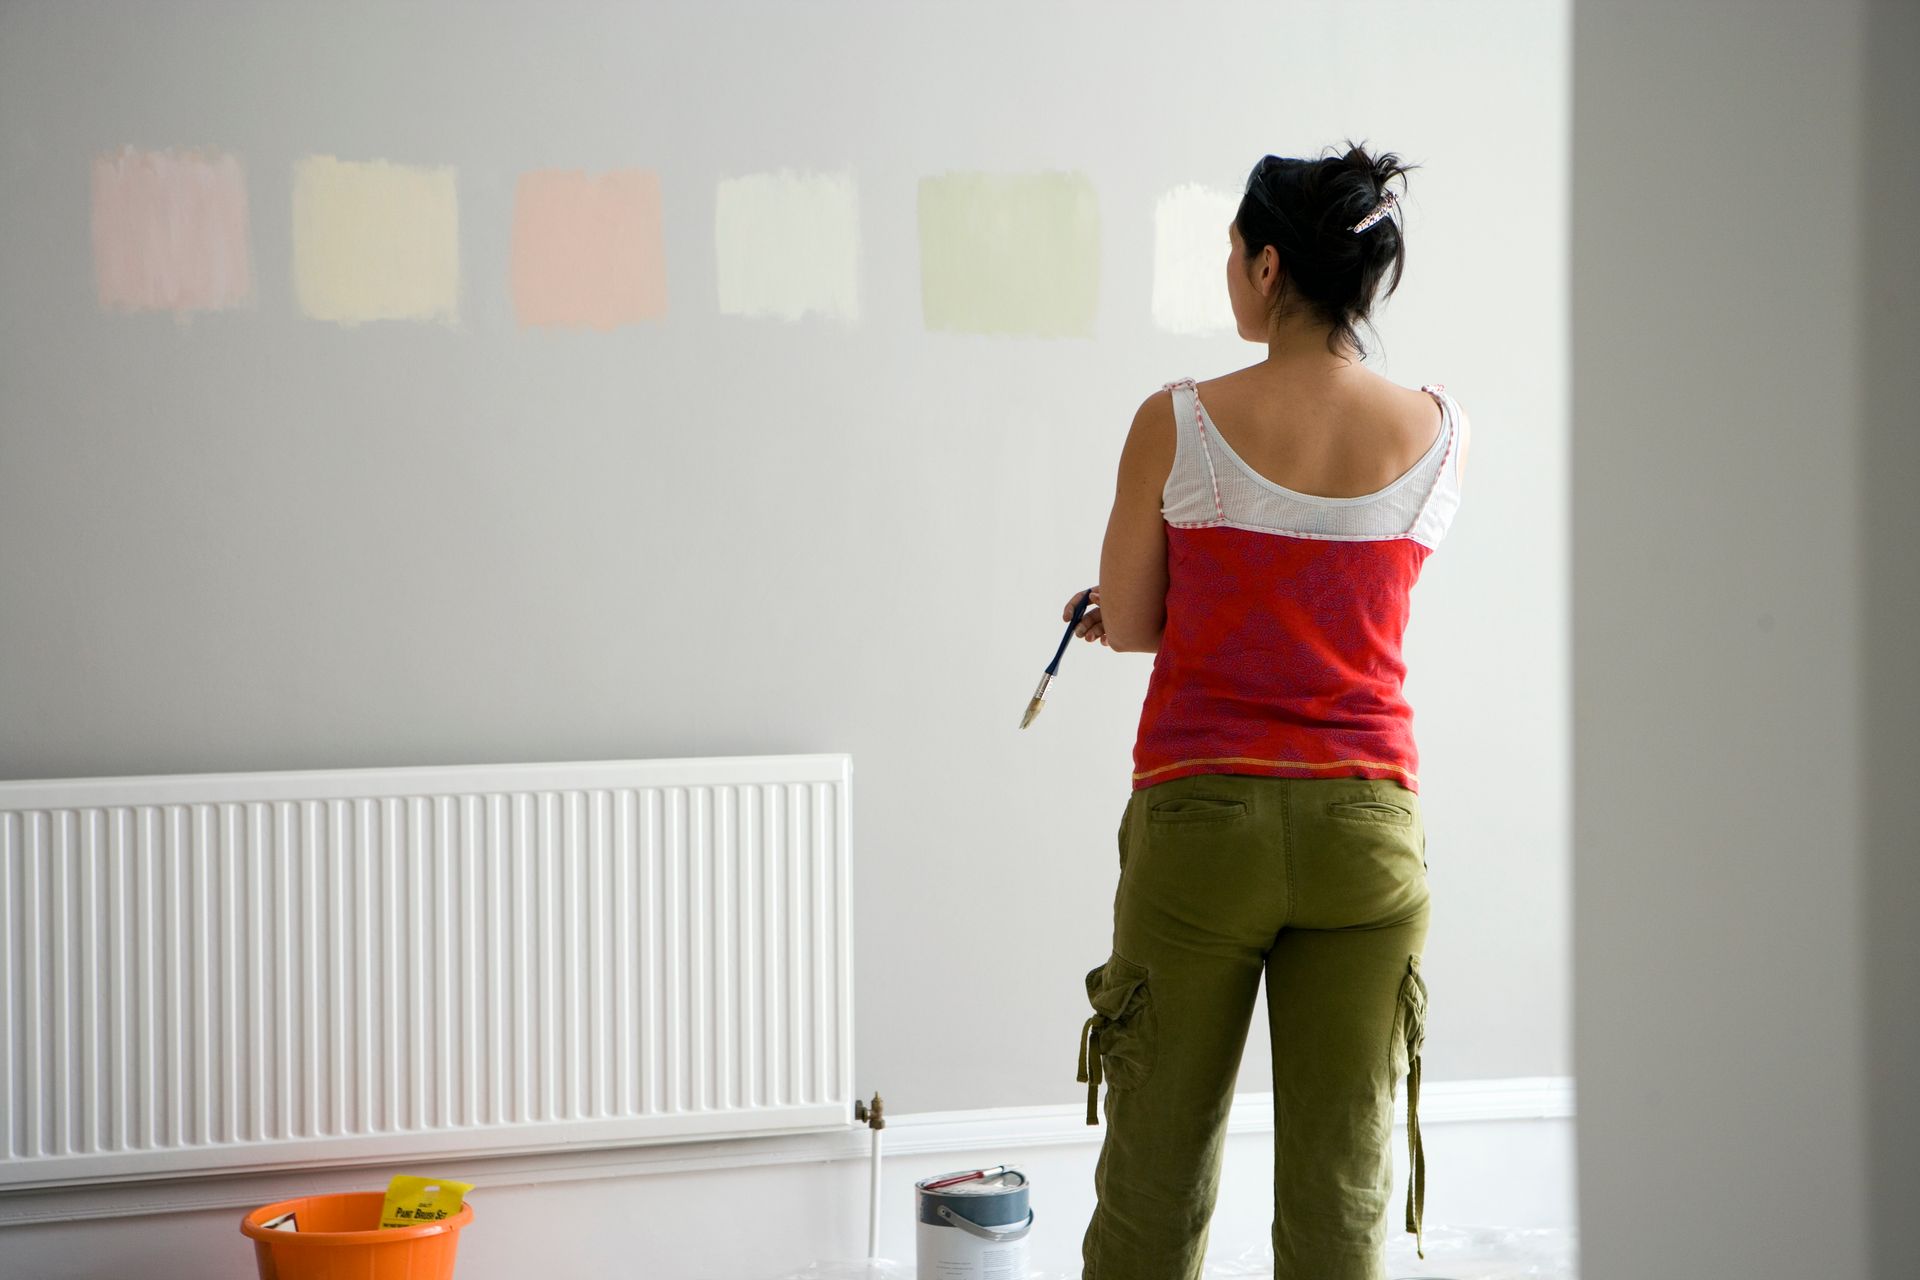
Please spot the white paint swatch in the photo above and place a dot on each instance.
(788, 244)
(1190, 251)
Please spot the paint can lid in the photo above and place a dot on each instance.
(997, 1200)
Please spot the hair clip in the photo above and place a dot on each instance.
(1380, 211)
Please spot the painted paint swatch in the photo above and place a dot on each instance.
(587, 250)
(787, 245)
(1010, 253)
(1191, 245)
(170, 231)
(375, 241)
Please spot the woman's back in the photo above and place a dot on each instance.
(1346, 435)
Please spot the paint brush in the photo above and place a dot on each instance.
(970, 1176)
(1053, 668)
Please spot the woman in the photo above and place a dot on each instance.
(1267, 529)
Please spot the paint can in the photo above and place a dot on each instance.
(973, 1228)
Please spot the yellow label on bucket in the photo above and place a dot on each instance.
(413, 1200)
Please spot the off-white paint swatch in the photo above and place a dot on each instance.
(1010, 253)
(1191, 245)
(375, 241)
(170, 231)
(787, 244)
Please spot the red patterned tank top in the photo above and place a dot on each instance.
(1285, 613)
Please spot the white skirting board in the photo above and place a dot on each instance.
(1499, 1153)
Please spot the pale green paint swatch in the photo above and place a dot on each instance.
(1010, 253)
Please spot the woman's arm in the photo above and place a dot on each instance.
(1133, 558)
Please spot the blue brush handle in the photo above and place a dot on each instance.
(1079, 610)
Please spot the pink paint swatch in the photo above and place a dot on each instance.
(587, 251)
(170, 231)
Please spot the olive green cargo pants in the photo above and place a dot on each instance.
(1319, 884)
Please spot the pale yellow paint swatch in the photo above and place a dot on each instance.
(787, 245)
(375, 241)
(1010, 253)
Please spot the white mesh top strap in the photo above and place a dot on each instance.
(1211, 485)
(1443, 494)
(1192, 493)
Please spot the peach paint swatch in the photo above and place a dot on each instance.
(587, 250)
(375, 241)
(170, 231)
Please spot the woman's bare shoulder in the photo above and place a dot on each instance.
(1357, 394)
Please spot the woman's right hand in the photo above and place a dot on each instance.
(1092, 627)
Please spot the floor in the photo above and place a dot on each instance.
(1453, 1253)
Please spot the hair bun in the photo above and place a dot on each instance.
(1374, 172)
(1309, 211)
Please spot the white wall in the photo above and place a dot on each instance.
(1744, 608)
(260, 541)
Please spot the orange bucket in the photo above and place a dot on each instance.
(340, 1238)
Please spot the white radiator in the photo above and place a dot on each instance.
(224, 972)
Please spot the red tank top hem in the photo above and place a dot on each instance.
(1278, 769)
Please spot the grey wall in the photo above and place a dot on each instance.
(1744, 607)
(1890, 693)
(258, 541)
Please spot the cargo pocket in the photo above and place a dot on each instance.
(1409, 1036)
(1116, 1043)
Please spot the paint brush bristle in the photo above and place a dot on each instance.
(1073, 624)
(1039, 697)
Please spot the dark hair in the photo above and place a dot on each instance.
(1305, 209)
